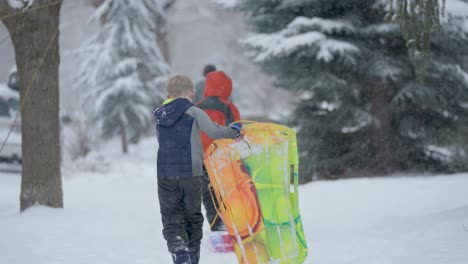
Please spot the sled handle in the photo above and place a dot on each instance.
(295, 178)
(212, 195)
(214, 205)
(208, 152)
(244, 121)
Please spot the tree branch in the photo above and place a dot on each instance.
(95, 3)
(169, 4)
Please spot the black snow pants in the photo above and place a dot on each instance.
(180, 204)
(218, 225)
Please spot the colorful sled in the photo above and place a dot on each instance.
(258, 203)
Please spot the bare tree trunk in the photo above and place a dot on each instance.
(124, 140)
(383, 134)
(162, 42)
(4, 8)
(161, 34)
(35, 37)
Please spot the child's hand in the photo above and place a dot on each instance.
(237, 127)
(240, 137)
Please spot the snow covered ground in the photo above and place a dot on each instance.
(114, 218)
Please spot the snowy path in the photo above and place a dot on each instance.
(114, 218)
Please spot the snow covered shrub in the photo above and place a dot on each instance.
(76, 138)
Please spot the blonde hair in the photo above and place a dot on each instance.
(179, 86)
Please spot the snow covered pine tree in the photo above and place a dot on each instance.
(122, 70)
(362, 110)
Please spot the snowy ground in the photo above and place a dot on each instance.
(114, 218)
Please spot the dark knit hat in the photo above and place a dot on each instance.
(208, 68)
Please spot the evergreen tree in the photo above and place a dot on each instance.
(417, 19)
(122, 69)
(363, 110)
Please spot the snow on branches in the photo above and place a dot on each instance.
(122, 69)
(227, 3)
(305, 32)
(20, 4)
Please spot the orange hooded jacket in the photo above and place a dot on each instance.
(218, 88)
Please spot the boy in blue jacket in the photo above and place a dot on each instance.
(180, 174)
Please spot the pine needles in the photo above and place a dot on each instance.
(417, 19)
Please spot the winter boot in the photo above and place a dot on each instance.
(181, 257)
(194, 256)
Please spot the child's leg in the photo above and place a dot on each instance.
(194, 256)
(193, 215)
(211, 213)
(172, 215)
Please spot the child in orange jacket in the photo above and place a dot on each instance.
(218, 88)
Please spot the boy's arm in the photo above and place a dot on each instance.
(156, 123)
(210, 127)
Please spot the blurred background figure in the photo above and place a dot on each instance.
(200, 85)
